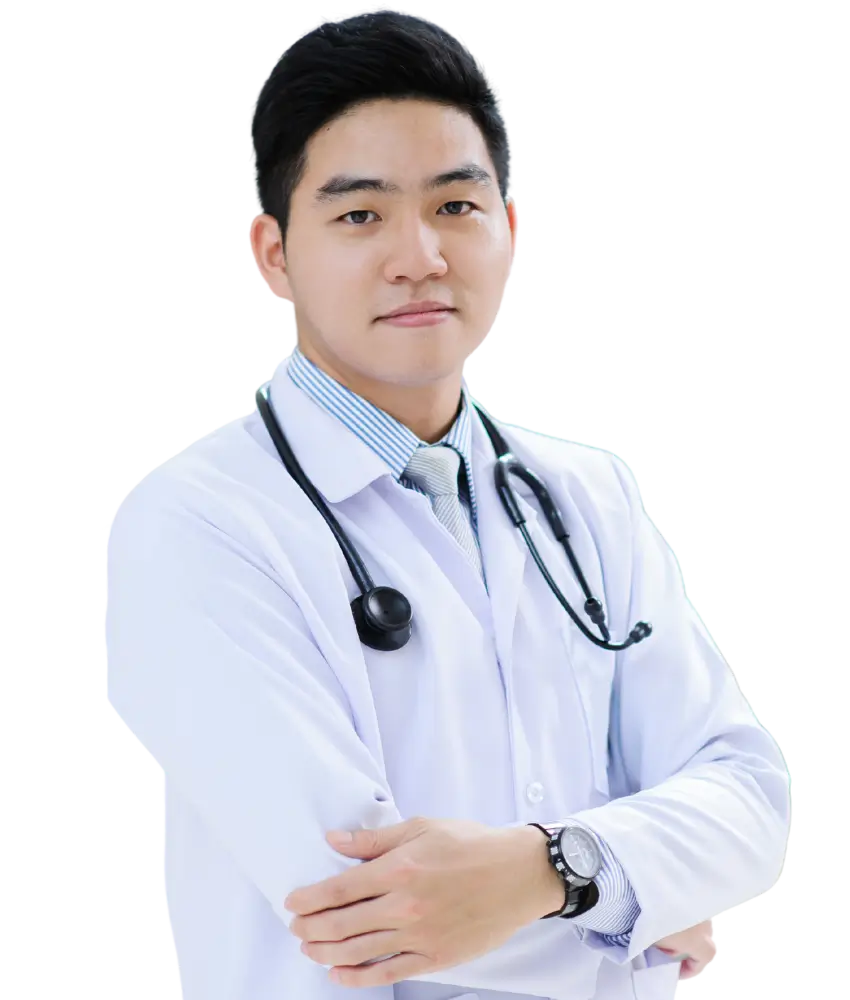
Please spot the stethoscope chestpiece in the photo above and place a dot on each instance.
(383, 618)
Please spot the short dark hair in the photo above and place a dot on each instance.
(380, 55)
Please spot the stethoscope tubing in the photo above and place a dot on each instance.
(387, 610)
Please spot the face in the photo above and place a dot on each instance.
(353, 257)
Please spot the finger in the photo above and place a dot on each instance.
(354, 950)
(677, 955)
(702, 950)
(346, 921)
(391, 970)
(691, 967)
(362, 881)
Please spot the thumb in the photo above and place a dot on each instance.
(369, 843)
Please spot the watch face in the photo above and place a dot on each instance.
(580, 851)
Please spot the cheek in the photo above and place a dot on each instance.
(483, 257)
(482, 278)
(345, 297)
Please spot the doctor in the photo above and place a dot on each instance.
(535, 813)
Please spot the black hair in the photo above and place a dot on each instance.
(380, 55)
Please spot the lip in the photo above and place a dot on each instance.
(418, 307)
(429, 317)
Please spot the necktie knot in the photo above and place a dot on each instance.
(434, 469)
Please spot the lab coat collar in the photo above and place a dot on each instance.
(389, 438)
(340, 464)
(334, 458)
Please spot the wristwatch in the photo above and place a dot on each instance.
(575, 855)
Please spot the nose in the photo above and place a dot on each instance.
(416, 253)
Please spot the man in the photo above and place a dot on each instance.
(382, 170)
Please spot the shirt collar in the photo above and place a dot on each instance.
(389, 439)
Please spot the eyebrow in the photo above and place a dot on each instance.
(343, 184)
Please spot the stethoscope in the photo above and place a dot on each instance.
(383, 615)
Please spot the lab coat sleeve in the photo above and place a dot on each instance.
(210, 664)
(705, 823)
(213, 667)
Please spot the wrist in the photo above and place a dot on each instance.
(546, 887)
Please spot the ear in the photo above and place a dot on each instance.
(513, 222)
(266, 248)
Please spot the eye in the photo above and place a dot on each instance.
(364, 211)
(459, 203)
(357, 211)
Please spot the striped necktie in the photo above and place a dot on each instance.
(434, 468)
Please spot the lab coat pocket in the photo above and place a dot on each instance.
(592, 670)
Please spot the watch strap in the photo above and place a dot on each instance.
(577, 899)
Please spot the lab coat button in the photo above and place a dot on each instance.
(534, 792)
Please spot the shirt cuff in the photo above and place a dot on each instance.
(615, 913)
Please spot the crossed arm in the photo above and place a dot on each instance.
(433, 894)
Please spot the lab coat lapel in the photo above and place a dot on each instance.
(504, 551)
(335, 460)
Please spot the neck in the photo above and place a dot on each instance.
(427, 410)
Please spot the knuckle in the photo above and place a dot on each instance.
(405, 872)
(440, 958)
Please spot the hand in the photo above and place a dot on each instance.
(434, 893)
(695, 944)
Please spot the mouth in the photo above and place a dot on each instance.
(417, 308)
(423, 317)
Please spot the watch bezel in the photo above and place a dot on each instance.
(571, 875)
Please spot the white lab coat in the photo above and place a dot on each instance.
(233, 657)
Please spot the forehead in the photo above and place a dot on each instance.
(406, 143)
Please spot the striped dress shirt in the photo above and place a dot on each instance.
(617, 909)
